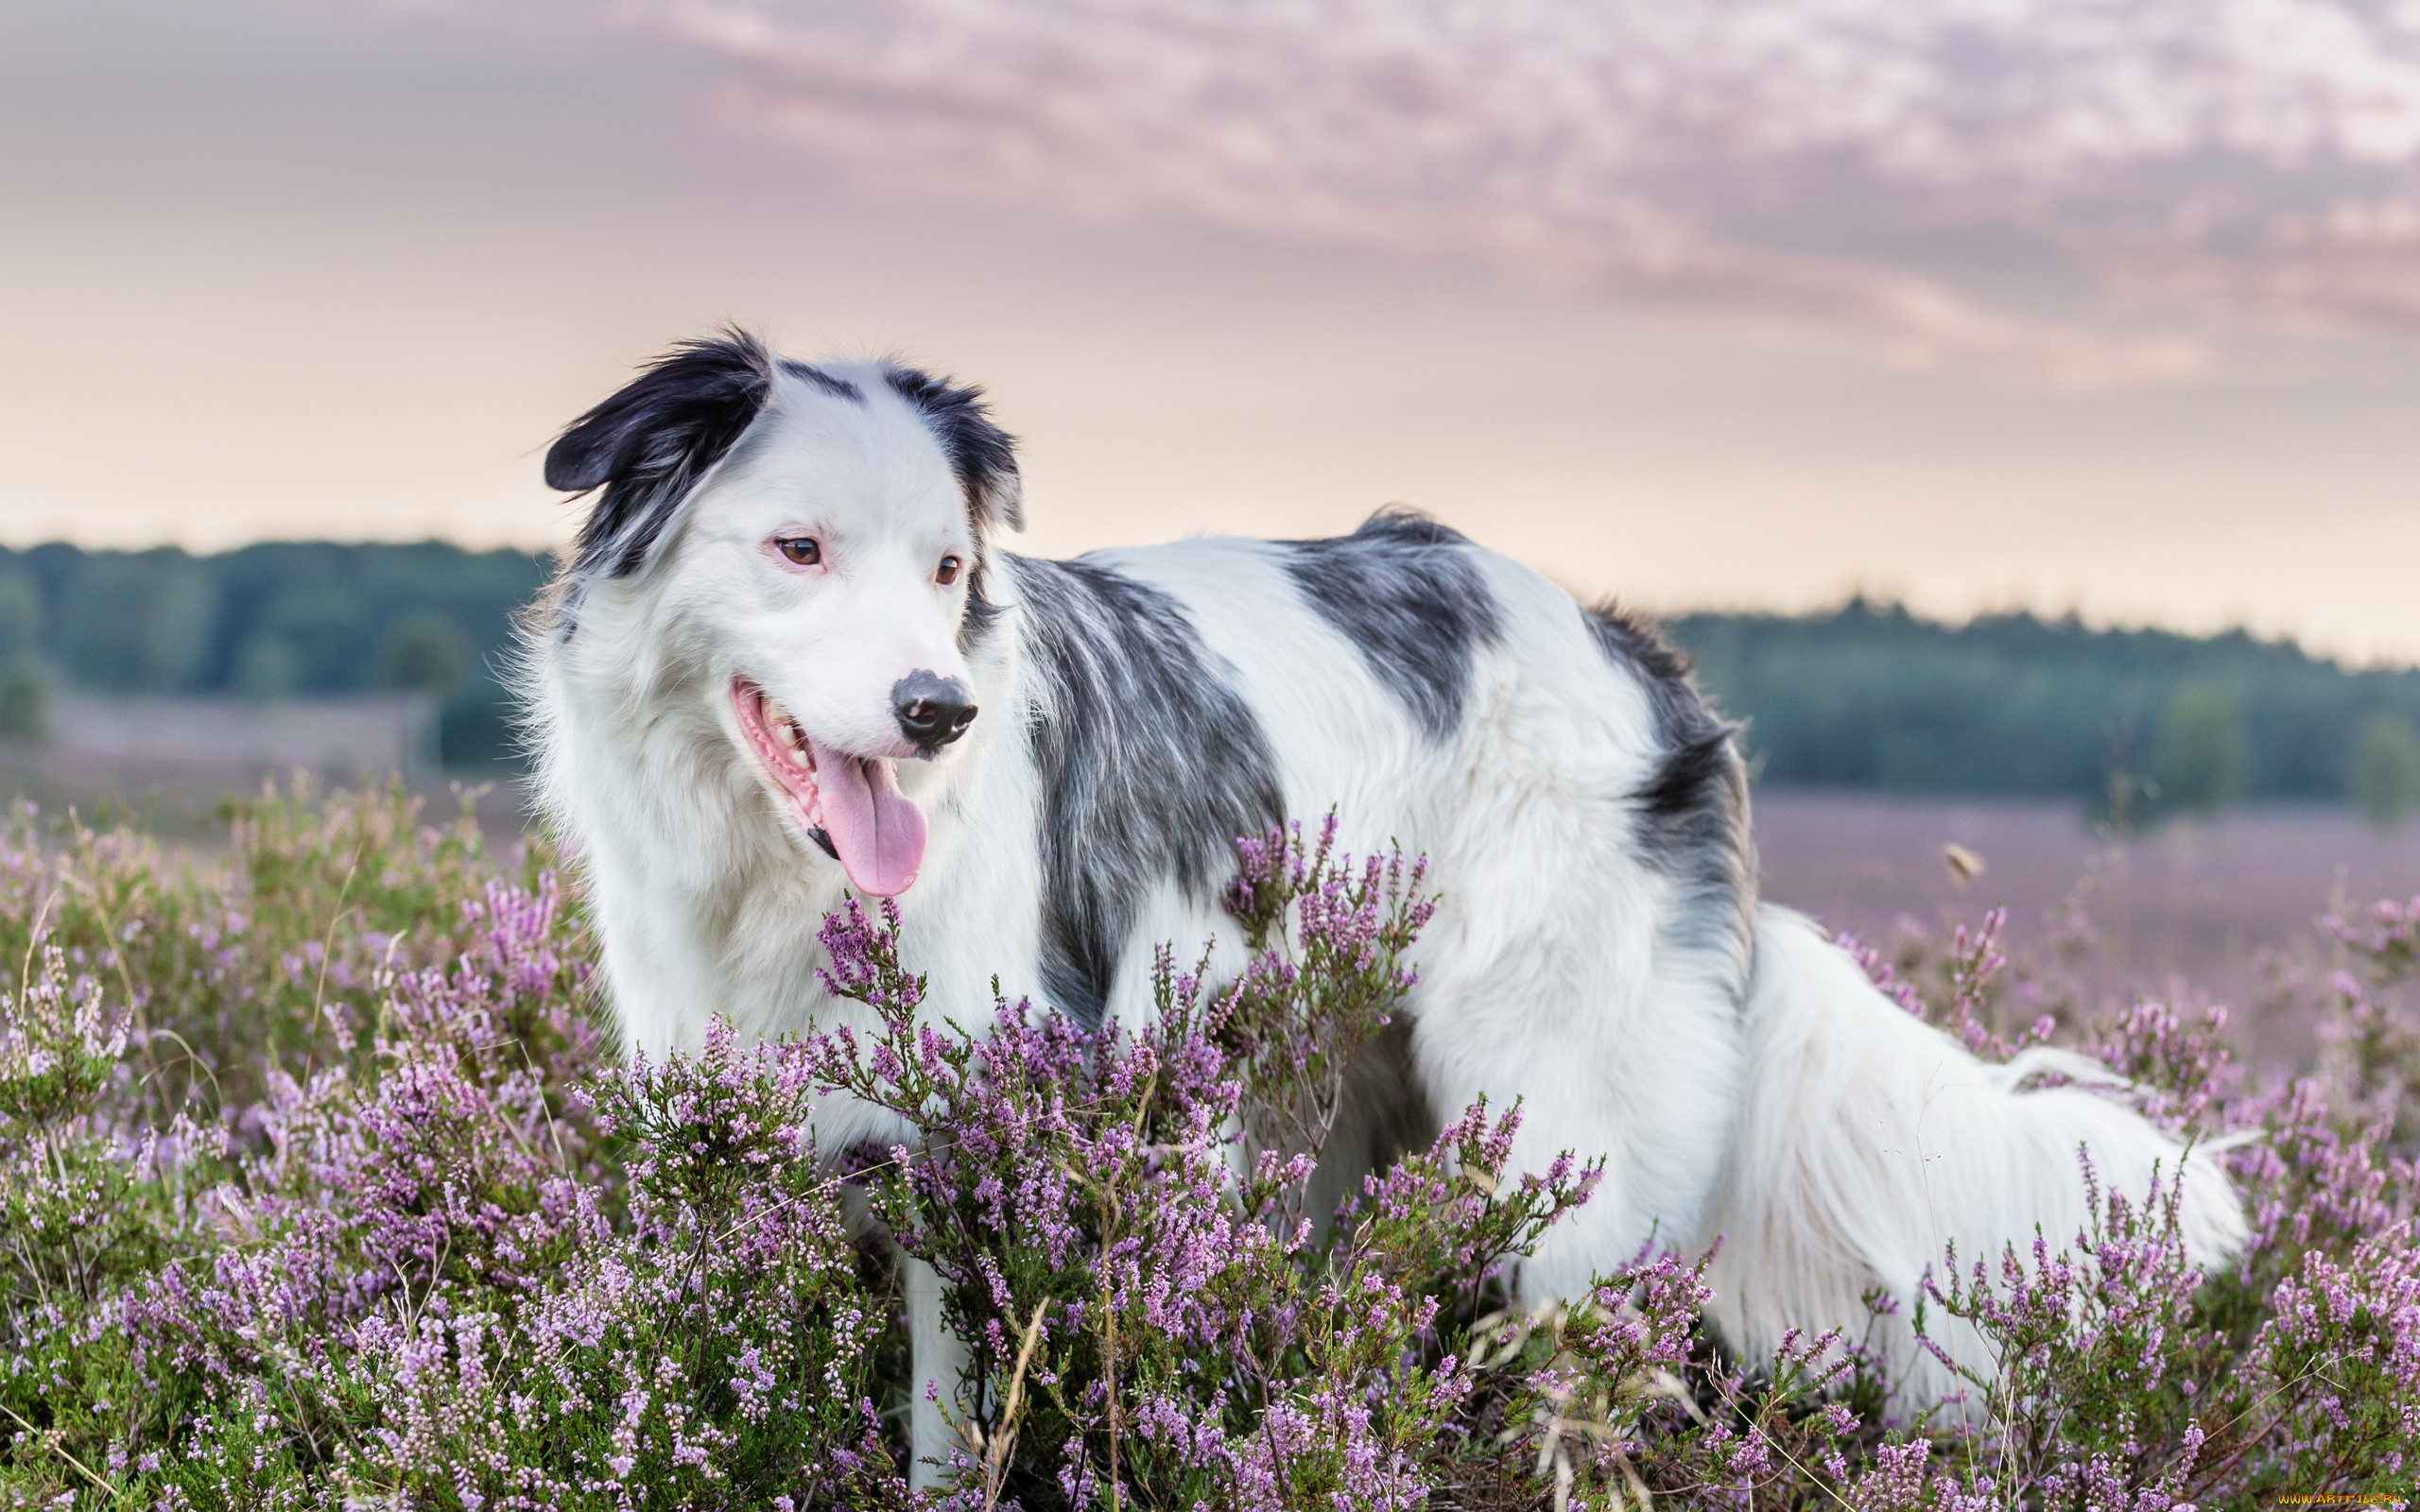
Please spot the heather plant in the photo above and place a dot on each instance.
(2121, 1376)
(320, 1186)
(447, 1255)
(1156, 1321)
(223, 973)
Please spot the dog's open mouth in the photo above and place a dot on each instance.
(851, 805)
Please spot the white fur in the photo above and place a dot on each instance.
(1833, 1141)
(1871, 1141)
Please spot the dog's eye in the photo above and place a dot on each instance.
(802, 550)
(947, 573)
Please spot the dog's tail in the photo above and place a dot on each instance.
(1870, 1140)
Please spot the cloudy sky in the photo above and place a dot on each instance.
(2101, 304)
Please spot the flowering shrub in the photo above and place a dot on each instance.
(320, 1187)
(1155, 1318)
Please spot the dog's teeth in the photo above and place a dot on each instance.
(780, 722)
(784, 726)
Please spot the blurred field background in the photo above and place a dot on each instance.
(2202, 800)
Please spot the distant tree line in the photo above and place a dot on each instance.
(282, 619)
(1868, 696)
(2135, 722)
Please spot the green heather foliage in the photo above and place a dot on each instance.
(320, 1188)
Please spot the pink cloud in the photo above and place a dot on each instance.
(1712, 153)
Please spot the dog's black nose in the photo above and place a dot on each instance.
(932, 709)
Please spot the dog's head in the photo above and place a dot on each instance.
(819, 534)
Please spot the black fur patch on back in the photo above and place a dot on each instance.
(983, 456)
(1151, 766)
(651, 442)
(1693, 809)
(1405, 592)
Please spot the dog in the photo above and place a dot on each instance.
(786, 659)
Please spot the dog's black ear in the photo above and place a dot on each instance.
(983, 456)
(649, 444)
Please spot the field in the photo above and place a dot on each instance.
(320, 1187)
(2215, 905)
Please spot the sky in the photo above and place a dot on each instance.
(2110, 306)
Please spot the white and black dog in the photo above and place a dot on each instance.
(787, 660)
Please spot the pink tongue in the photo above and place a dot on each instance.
(880, 835)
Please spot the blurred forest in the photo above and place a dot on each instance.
(282, 619)
(2134, 723)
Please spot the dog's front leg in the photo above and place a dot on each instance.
(939, 1359)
